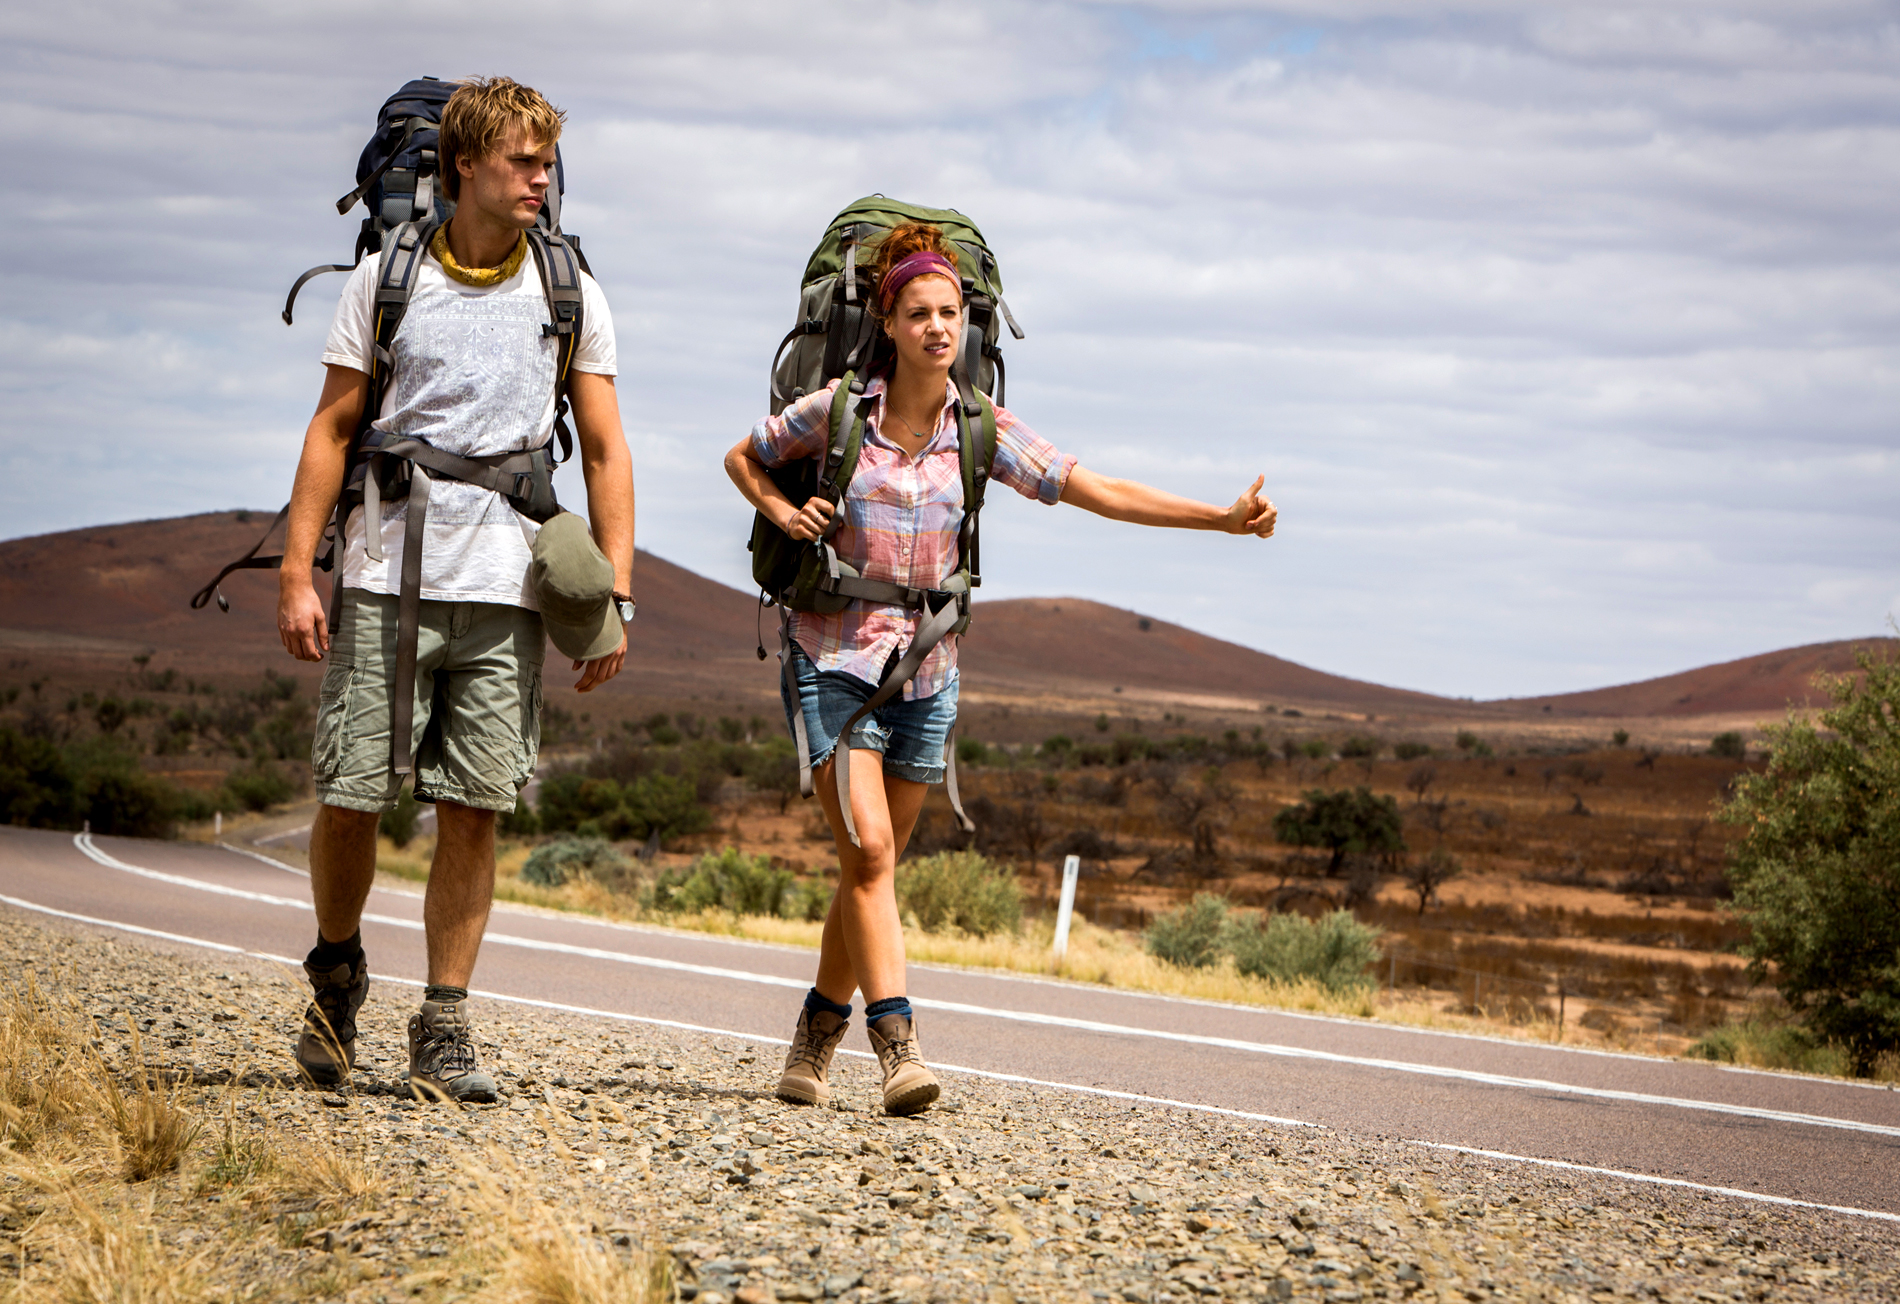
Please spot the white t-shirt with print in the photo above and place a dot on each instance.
(474, 376)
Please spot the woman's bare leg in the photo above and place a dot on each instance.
(863, 947)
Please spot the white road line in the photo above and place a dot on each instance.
(1072, 985)
(1645, 1178)
(1649, 1180)
(84, 843)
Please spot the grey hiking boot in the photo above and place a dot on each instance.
(442, 1056)
(809, 1059)
(909, 1087)
(326, 1049)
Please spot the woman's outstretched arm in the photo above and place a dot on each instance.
(1130, 500)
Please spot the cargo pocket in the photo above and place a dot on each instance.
(333, 711)
(530, 729)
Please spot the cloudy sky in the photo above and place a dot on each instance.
(1566, 335)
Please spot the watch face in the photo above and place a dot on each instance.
(626, 611)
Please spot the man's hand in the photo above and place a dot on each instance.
(601, 669)
(1253, 512)
(300, 620)
(810, 521)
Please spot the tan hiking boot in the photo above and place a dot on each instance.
(326, 1049)
(442, 1056)
(909, 1087)
(809, 1060)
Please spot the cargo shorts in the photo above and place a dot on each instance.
(477, 730)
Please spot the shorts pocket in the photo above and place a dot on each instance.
(333, 711)
(530, 729)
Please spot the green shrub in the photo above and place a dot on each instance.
(1731, 746)
(1771, 1046)
(1190, 936)
(36, 784)
(1621, 738)
(728, 880)
(962, 890)
(972, 751)
(1335, 950)
(1359, 748)
(1316, 749)
(259, 786)
(557, 862)
(521, 822)
(575, 803)
(398, 823)
(1411, 751)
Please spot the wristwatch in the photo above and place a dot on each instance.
(626, 605)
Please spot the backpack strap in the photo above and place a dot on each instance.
(560, 268)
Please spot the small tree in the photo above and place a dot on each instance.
(1349, 820)
(1817, 872)
(1424, 877)
(1419, 780)
(1730, 746)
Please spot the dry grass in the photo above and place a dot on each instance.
(542, 1255)
(153, 1126)
(101, 1163)
(100, 1259)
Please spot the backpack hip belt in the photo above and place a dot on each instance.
(525, 479)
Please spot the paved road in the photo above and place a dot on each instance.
(1771, 1135)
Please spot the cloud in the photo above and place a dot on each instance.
(1565, 334)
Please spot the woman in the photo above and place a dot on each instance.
(901, 514)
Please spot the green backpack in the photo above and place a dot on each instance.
(836, 337)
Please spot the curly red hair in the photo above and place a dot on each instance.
(903, 241)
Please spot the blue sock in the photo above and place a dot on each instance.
(889, 1005)
(817, 1004)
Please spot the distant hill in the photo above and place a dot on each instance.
(114, 591)
(1764, 684)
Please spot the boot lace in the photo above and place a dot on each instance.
(448, 1052)
(812, 1046)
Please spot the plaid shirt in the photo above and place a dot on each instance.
(901, 517)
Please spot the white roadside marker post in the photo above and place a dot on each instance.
(1071, 867)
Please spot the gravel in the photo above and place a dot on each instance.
(660, 1138)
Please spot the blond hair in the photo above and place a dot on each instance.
(480, 114)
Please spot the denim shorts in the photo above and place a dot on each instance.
(911, 735)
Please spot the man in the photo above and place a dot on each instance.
(474, 373)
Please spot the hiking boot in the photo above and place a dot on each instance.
(326, 1050)
(442, 1056)
(909, 1087)
(806, 1063)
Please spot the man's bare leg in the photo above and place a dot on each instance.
(342, 868)
(461, 890)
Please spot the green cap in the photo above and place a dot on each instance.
(574, 583)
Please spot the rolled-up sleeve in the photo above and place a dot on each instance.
(1027, 462)
(801, 430)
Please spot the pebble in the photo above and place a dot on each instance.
(1004, 1191)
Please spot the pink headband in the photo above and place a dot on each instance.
(908, 269)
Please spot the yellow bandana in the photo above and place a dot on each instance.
(480, 277)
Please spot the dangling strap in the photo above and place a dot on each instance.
(408, 623)
(929, 633)
(249, 561)
(800, 739)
